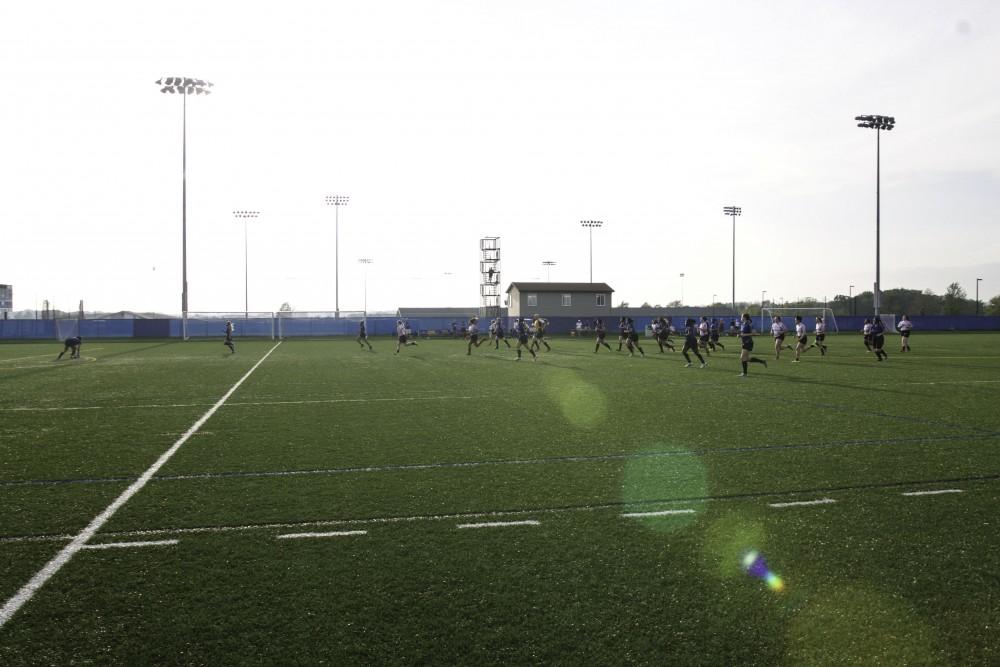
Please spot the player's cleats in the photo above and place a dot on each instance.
(704, 363)
(687, 365)
(742, 375)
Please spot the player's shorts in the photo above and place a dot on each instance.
(868, 339)
(402, 339)
(905, 334)
(704, 338)
(601, 335)
(474, 339)
(523, 340)
(747, 343)
(715, 337)
(820, 338)
(780, 338)
(878, 341)
(634, 337)
(803, 340)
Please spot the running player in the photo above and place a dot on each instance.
(800, 338)
(521, 333)
(691, 343)
(866, 331)
(497, 334)
(904, 328)
(71, 345)
(878, 338)
(622, 337)
(632, 338)
(402, 340)
(703, 334)
(714, 329)
(746, 341)
(362, 338)
(538, 333)
(778, 330)
(228, 342)
(820, 336)
(473, 333)
(602, 331)
(663, 339)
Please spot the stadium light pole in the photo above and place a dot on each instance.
(590, 224)
(246, 216)
(733, 211)
(850, 299)
(366, 261)
(713, 305)
(548, 270)
(184, 86)
(877, 123)
(978, 280)
(763, 293)
(682, 289)
(336, 201)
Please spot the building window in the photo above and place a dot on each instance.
(567, 299)
(532, 300)
(600, 299)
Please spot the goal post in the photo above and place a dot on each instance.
(809, 316)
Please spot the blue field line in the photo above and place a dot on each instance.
(569, 458)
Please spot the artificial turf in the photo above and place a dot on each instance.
(324, 436)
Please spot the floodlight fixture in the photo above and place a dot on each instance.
(548, 269)
(336, 201)
(733, 211)
(184, 86)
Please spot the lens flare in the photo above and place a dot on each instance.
(756, 566)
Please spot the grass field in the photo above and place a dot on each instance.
(388, 458)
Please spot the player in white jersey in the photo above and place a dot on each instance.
(778, 331)
(703, 333)
(820, 335)
(904, 328)
(866, 331)
(800, 338)
(473, 334)
(401, 335)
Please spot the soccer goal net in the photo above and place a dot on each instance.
(808, 315)
(67, 328)
(213, 324)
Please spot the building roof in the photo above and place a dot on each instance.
(438, 312)
(561, 287)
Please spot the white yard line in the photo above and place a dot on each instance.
(639, 515)
(498, 524)
(335, 533)
(129, 545)
(801, 503)
(936, 492)
(67, 552)
(234, 404)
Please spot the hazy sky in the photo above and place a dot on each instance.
(449, 120)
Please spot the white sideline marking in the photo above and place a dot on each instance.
(932, 493)
(66, 554)
(499, 524)
(127, 545)
(335, 533)
(633, 515)
(196, 405)
(822, 501)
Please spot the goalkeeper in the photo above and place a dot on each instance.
(72, 345)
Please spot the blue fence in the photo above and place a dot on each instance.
(386, 326)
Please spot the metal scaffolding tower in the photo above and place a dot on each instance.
(489, 284)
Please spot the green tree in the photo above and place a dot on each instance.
(993, 306)
(954, 299)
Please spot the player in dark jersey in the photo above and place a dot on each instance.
(497, 334)
(228, 342)
(622, 337)
(521, 333)
(71, 345)
(602, 332)
(713, 332)
(362, 338)
(691, 343)
(632, 338)
(746, 342)
(661, 332)
(878, 339)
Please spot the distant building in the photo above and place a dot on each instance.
(559, 299)
(6, 301)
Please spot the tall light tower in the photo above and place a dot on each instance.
(978, 280)
(850, 299)
(336, 201)
(682, 289)
(733, 211)
(548, 270)
(184, 86)
(590, 224)
(877, 123)
(246, 216)
(366, 261)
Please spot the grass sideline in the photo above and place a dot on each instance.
(324, 437)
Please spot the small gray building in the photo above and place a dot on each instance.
(559, 299)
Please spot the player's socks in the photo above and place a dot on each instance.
(744, 367)
(549, 349)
